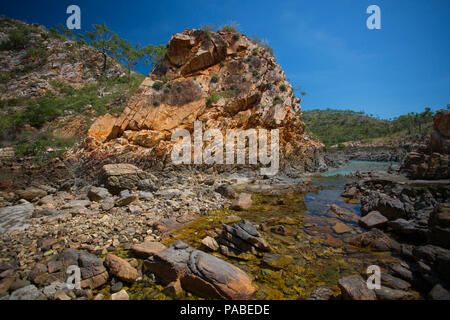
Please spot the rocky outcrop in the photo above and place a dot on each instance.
(200, 273)
(223, 80)
(431, 161)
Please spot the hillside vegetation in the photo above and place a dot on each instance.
(53, 84)
(333, 126)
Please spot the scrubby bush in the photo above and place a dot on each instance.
(255, 73)
(157, 85)
(277, 100)
(17, 39)
(283, 87)
(229, 28)
(156, 103)
(215, 78)
(213, 98)
(235, 37)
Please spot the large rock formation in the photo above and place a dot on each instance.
(219, 78)
(200, 273)
(431, 161)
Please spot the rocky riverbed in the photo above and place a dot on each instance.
(198, 235)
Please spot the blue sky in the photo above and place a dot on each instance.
(324, 45)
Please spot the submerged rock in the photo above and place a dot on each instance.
(375, 239)
(373, 219)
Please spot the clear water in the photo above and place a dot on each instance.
(361, 166)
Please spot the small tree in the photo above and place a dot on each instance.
(154, 53)
(130, 55)
(105, 41)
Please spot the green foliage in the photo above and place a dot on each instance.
(255, 73)
(234, 54)
(104, 40)
(255, 52)
(156, 103)
(208, 29)
(277, 100)
(213, 98)
(283, 88)
(41, 146)
(269, 86)
(86, 101)
(229, 28)
(236, 37)
(215, 78)
(337, 126)
(157, 85)
(262, 43)
(18, 38)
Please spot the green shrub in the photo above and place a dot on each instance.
(156, 103)
(229, 28)
(234, 54)
(277, 100)
(222, 64)
(208, 30)
(235, 37)
(213, 98)
(255, 73)
(179, 89)
(269, 85)
(17, 39)
(166, 90)
(283, 88)
(255, 52)
(36, 145)
(215, 78)
(157, 85)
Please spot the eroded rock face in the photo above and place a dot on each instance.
(200, 273)
(222, 79)
(431, 161)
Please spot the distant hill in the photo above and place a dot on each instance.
(333, 126)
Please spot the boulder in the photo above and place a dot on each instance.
(27, 293)
(321, 293)
(439, 225)
(373, 219)
(121, 295)
(385, 293)
(439, 292)
(31, 194)
(147, 248)
(355, 288)
(125, 198)
(98, 194)
(200, 273)
(375, 239)
(226, 191)
(124, 176)
(120, 268)
(243, 202)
